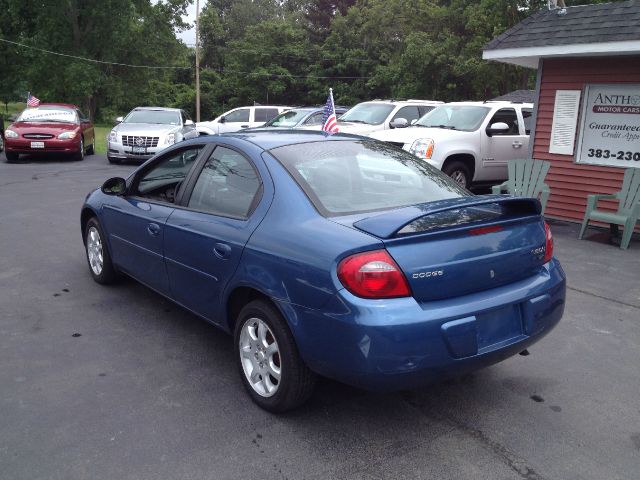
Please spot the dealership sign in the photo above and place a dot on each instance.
(610, 126)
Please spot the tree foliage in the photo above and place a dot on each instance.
(266, 51)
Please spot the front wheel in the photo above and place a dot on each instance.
(92, 148)
(12, 157)
(270, 365)
(98, 256)
(80, 154)
(459, 172)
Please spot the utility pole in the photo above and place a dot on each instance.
(197, 62)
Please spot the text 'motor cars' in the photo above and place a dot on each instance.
(330, 255)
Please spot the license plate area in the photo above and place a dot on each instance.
(498, 326)
(139, 149)
(37, 144)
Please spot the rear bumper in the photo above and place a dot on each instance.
(400, 344)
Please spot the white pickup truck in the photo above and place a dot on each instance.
(469, 141)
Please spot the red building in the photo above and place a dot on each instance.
(587, 115)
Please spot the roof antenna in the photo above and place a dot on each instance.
(557, 5)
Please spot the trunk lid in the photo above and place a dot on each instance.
(460, 246)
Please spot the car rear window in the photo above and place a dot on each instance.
(347, 177)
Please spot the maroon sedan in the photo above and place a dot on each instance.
(50, 128)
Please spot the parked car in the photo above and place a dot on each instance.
(240, 118)
(1, 133)
(338, 256)
(469, 141)
(302, 117)
(50, 128)
(367, 117)
(146, 131)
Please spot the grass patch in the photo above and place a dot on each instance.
(101, 132)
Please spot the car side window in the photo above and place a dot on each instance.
(408, 113)
(162, 181)
(240, 115)
(508, 116)
(227, 186)
(424, 109)
(315, 119)
(265, 114)
(527, 117)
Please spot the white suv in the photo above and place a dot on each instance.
(240, 118)
(367, 117)
(469, 141)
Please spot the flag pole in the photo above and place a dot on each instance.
(333, 104)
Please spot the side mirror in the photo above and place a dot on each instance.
(119, 120)
(222, 120)
(114, 186)
(498, 127)
(399, 123)
(188, 123)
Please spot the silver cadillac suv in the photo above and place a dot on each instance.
(147, 130)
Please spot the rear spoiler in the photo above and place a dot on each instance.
(387, 224)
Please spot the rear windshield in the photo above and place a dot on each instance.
(347, 177)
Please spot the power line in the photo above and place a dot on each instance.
(273, 75)
(91, 59)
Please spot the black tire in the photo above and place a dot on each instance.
(12, 157)
(92, 148)
(459, 172)
(107, 274)
(80, 155)
(296, 382)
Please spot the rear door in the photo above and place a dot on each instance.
(205, 239)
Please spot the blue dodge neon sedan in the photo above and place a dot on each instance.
(338, 256)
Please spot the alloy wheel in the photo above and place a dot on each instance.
(260, 357)
(94, 250)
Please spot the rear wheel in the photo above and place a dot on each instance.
(270, 366)
(98, 257)
(92, 148)
(12, 157)
(459, 172)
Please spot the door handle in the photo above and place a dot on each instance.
(153, 229)
(244, 126)
(222, 250)
(517, 144)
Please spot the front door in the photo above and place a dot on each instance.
(205, 240)
(136, 222)
(504, 146)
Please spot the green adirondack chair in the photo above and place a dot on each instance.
(628, 208)
(526, 179)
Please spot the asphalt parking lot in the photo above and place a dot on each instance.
(118, 383)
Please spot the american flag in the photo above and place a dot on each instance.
(329, 122)
(32, 101)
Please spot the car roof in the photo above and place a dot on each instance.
(404, 102)
(490, 103)
(268, 138)
(53, 104)
(165, 109)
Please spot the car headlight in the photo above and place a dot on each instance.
(423, 148)
(67, 135)
(10, 134)
(170, 139)
(113, 136)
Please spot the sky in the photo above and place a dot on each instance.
(189, 36)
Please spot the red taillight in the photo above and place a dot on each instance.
(548, 244)
(373, 275)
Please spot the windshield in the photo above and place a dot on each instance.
(160, 117)
(48, 114)
(288, 119)
(456, 117)
(346, 177)
(370, 113)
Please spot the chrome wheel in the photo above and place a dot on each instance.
(459, 177)
(94, 250)
(260, 357)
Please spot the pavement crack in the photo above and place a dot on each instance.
(619, 302)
